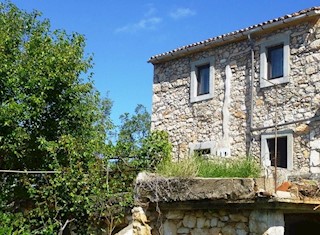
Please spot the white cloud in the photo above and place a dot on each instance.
(148, 22)
(151, 10)
(144, 24)
(182, 13)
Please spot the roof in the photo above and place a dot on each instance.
(197, 46)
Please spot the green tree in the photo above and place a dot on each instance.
(53, 119)
(132, 131)
(137, 148)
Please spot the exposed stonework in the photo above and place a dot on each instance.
(226, 222)
(140, 222)
(223, 206)
(295, 102)
(247, 111)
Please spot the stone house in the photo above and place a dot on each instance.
(251, 92)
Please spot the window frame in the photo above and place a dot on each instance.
(200, 89)
(194, 97)
(200, 146)
(276, 40)
(265, 153)
(282, 160)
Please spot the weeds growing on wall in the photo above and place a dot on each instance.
(198, 166)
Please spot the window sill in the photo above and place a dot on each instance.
(201, 98)
(272, 82)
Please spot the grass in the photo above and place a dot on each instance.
(216, 168)
(185, 168)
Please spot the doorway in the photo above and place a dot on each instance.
(302, 224)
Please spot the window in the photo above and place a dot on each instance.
(202, 80)
(282, 153)
(203, 148)
(274, 60)
(284, 149)
(202, 152)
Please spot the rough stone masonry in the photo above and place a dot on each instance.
(292, 105)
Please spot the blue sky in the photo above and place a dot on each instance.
(123, 34)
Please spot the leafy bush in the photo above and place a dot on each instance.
(13, 223)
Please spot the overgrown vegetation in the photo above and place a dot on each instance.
(213, 168)
(53, 119)
(185, 168)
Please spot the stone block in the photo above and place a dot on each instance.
(315, 57)
(215, 231)
(302, 129)
(315, 44)
(238, 218)
(242, 226)
(198, 231)
(224, 218)
(241, 232)
(220, 224)
(276, 230)
(175, 215)
(169, 228)
(214, 222)
(311, 70)
(239, 114)
(207, 223)
(183, 230)
(315, 144)
(314, 158)
(262, 220)
(189, 221)
(315, 170)
(200, 222)
(282, 194)
(259, 102)
(228, 230)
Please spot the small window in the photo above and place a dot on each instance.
(202, 152)
(284, 149)
(202, 148)
(282, 153)
(275, 62)
(203, 79)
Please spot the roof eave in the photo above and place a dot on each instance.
(228, 38)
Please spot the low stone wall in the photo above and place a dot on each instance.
(234, 206)
(217, 222)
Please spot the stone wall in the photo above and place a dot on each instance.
(200, 122)
(217, 222)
